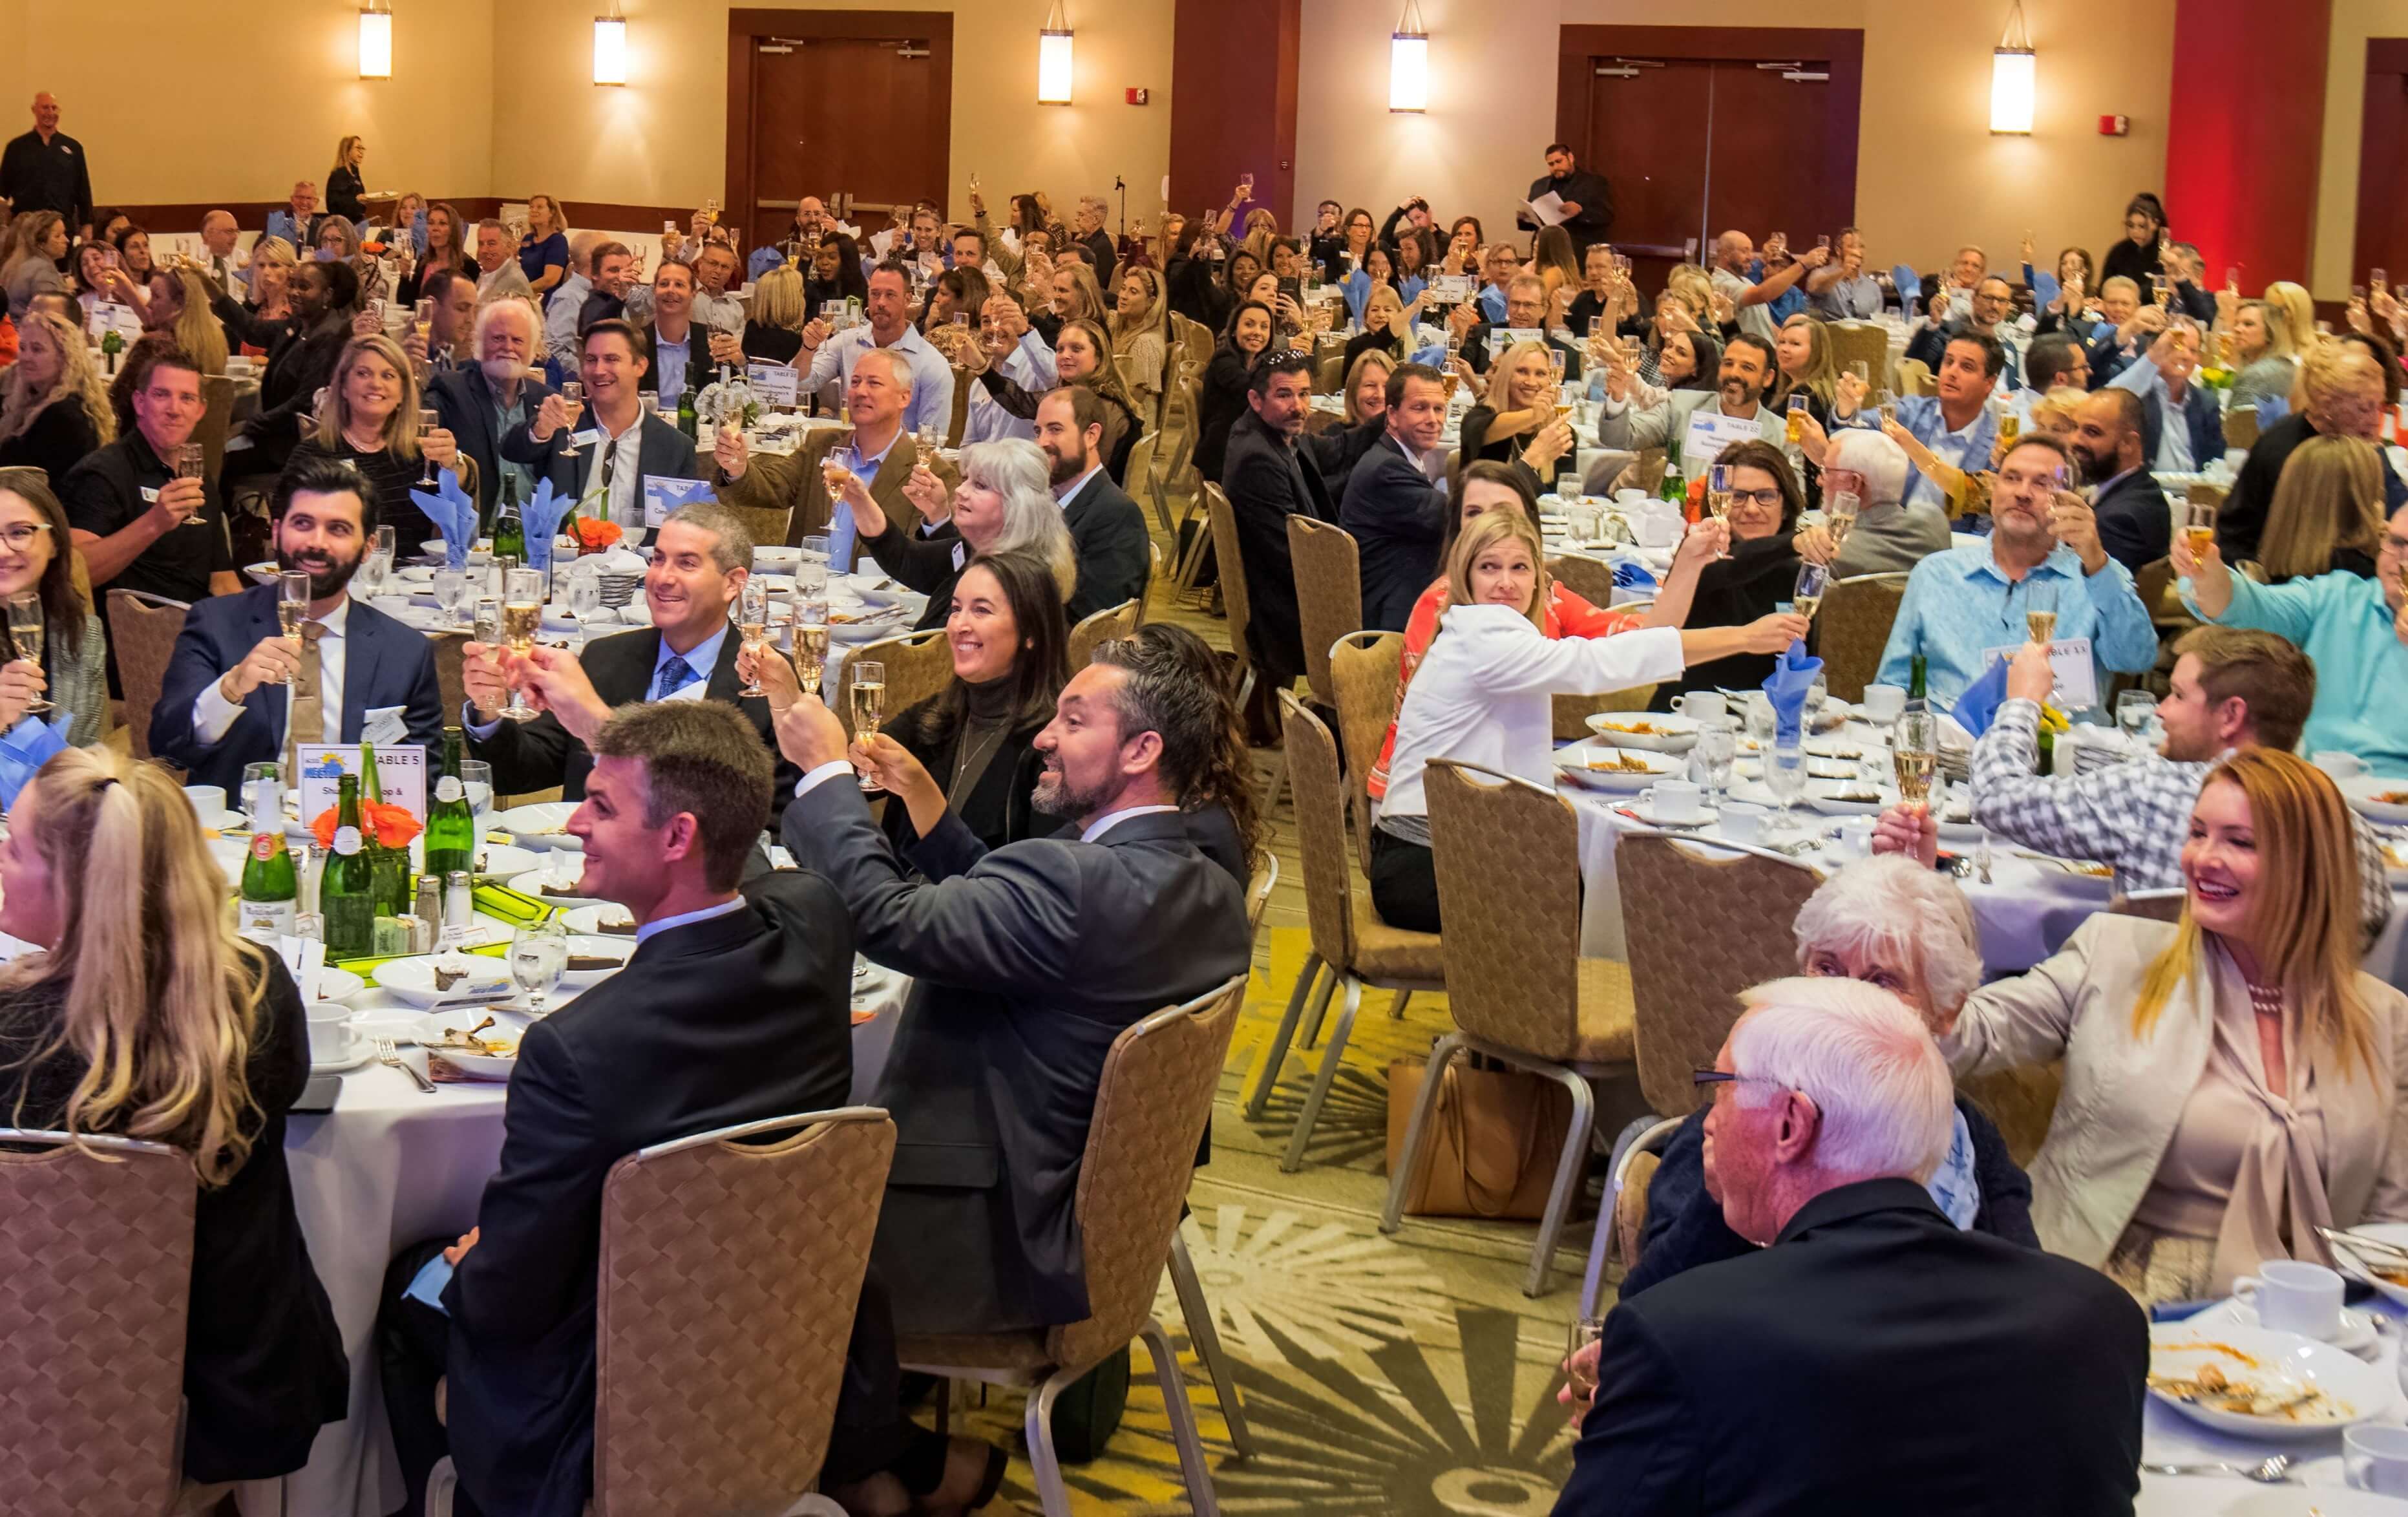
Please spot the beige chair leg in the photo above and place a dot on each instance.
(1397, 1010)
(1293, 1159)
(1205, 1335)
(1181, 1413)
(1282, 1039)
(1433, 1077)
(1568, 1176)
(1051, 1493)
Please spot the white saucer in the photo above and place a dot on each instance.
(368, 1052)
(1705, 816)
(2356, 1334)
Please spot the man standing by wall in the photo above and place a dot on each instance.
(45, 169)
(1588, 200)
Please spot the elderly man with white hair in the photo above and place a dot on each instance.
(1889, 535)
(484, 400)
(1871, 1358)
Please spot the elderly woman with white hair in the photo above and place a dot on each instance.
(1888, 536)
(1893, 924)
(1001, 506)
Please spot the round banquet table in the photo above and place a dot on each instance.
(392, 1165)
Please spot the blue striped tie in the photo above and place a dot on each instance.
(676, 674)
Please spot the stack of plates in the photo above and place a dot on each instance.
(619, 589)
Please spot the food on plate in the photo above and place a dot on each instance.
(2393, 858)
(1638, 729)
(477, 1040)
(1860, 797)
(585, 963)
(2392, 797)
(616, 929)
(2274, 1396)
(559, 888)
(1614, 760)
(2096, 871)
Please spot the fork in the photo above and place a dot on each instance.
(387, 1053)
(2273, 1472)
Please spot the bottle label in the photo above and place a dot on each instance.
(449, 789)
(263, 846)
(265, 922)
(347, 840)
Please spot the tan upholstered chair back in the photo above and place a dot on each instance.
(1584, 577)
(1867, 344)
(729, 1272)
(1231, 555)
(918, 666)
(1699, 930)
(96, 1273)
(2022, 1102)
(2241, 427)
(143, 630)
(1592, 582)
(1101, 627)
(1150, 1106)
(448, 648)
(1508, 861)
(1328, 594)
(2155, 585)
(1364, 668)
(1915, 377)
(1329, 372)
(217, 421)
(1142, 477)
(1854, 628)
(1320, 831)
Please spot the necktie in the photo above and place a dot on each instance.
(608, 449)
(309, 719)
(675, 676)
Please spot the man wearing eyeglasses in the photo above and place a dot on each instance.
(2355, 631)
(1831, 1369)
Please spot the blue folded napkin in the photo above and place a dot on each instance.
(541, 518)
(1978, 706)
(1629, 574)
(454, 513)
(2044, 289)
(428, 1285)
(2271, 410)
(1910, 287)
(1793, 675)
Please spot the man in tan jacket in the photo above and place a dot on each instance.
(784, 500)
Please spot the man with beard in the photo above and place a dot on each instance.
(488, 400)
(238, 691)
(1994, 304)
(1269, 479)
(1747, 367)
(1108, 540)
(2134, 521)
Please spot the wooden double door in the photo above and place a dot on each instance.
(855, 106)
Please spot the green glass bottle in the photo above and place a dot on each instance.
(1917, 698)
(509, 531)
(688, 422)
(451, 825)
(347, 895)
(271, 887)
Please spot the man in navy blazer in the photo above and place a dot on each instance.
(2136, 526)
(617, 444)
(485, 401)
(224, 699)
(1396, 513)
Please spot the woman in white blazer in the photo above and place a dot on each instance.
(2231, 1081)
(1485, 691)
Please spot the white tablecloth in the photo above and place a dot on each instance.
(391, 1167)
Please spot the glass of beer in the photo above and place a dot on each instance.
(521, 612)
(2040, 609)
(2199, 528)
(1798, 414)
(1914, 755)
(868, 706)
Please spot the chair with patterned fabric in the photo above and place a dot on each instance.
(1101, 627)
(1328, 594)
(731, 1264)
(1678, 893)
(99, 1259)
(2241, 427)
(1853, 629)
(2020, 1103)
(918, 665)
(143, 628)
(1150, 1108)
(1348, 940)
(1857, 342)
(1364, 668)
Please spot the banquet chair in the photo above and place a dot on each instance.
(217, 421)
(1853, 629)
(2241, 427)
(1915, 377)
(1348, 938)
(1699, 930)
(1150, 1108)
(730, 1267)
(449, 649)
(1140, 477)
(918, 666)
(1857, 342)
(1328, 373)
(2019, 1103)
(1328, 594)
(143, 629)
(1101, 627)
(98, 1260)
(1364, 668)
(1259, 888)
(1230, 552)
(2165, 904)
(1516, 984)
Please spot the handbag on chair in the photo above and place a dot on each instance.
(1493, 1142)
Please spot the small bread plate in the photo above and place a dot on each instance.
(455, 1037)
(601, 958)
(338, 986)
(1593, 766)
(554, 885)
(1848, 797)
(2378, 799)
(609, 920)
(542, 825)
(466, 977)
(1661, 731)
(2356, 1337)
(2255, 1383)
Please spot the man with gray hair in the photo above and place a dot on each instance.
(497, 257)
(1092, 212)
(1870, 1357)
(485, 399)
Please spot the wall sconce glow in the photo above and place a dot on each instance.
(1053, 59)
(375, 43)
(1409, 62)
(610, 49)
(2013, 71)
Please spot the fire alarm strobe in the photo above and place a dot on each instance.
(2115, 126)
(1136, 97)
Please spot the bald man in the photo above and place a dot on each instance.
(45, 169)
(220, 234)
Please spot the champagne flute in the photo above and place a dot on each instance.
(810, 642)
(869, 707)
(1814, 582)
(927, 440)
(2040, 610)
(421, 319)
(428, 421)
(25, 627)
(538, 956)
(188, 464)
(753, 622)
(1587, 1333)
(521, 613)
(1718, 499)
(572, 399)
(291, 602)
(1915, 754)
(1840, 511)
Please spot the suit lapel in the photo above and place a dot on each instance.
(887, 488)
(359, 661)
(724, 683)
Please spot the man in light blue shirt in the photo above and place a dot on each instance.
(2353, 629)
(1841, 291)
(1955, 425)
(833, 354)
(2044, 553)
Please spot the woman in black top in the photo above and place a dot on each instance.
(344, 186)
(1192, 277)
(2141, 253)
(53, 409)
(1760, 573)
(146, 1017)
(445, 248)
(773, 330)
(1226, 381)
(372, 423)
(836, 274)
(1518, 413)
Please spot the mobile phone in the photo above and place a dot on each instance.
(1293, 289)
(319, 1095)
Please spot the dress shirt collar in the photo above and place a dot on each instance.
(702, 658)
(871, 462)
(1110, 820)
(651, 929)
(1982, 559)
(337, 621)
(1070, 492)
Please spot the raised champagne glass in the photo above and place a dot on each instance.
(868, 706)
(1915, 754)
(2040, 610)
(26, 627)
(291, 602)
(752, 621)
(521, 613)
(572, 399)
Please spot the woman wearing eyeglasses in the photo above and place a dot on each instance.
(36, 556)
(1759, 575)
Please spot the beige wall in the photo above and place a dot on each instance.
(662, 139)
(2353, 23)
(1926, 92)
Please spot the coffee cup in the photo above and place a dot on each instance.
(1703, 704)
(2339, 764)
(1884, 703)
(333, 1039)
(1657, 531)
(208, 801)
(1743, 821)
(2292, 1296)
(1857, 836)
(2375, 1458)
(1675, 800)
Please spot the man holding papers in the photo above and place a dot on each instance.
(1570, 197)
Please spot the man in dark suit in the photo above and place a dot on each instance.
(623, 445)
(734, 1009)
(2135, 524)
(1870, 1359)
(1108, 537)
(1396, 514)
(701, 558)
(486, 401)
(615, 271)
(1269, 478)
(234, 678)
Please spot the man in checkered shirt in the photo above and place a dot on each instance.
(2231, 688)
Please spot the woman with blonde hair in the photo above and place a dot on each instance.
(1139, 344)
(271, 265)
(53, 408)
(1517, 421)
(1337, 450)
(1082, 355)
(773, 327)
(196, 331)
(1803, 365)
(142, 1015)
(2267, 351)
(2328, 512)
(2299, 309)
(2232, 1082)
(370, 422)
(543, 252)
(345, 191)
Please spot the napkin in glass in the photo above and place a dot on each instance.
(1792, 677)
(1978, 706)
(454, 513)
(540, 516)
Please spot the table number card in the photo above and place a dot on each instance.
(2070, 660)
(777, 384)
(663, 497)
(401, 775)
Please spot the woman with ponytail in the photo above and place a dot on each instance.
(146, 1017)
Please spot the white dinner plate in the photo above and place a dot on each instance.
(415, 574)
(540, 826)
(2214, 1496)
(1825, 796)
(2382, 1232)
(2354, 1391)
(338, 985)
(588, 919)
(2365, 792)
(778, 559)
(614, 949)
(499, 861)
(263, 574)
(1572, 763)
(2357, 1336)
(1661, 731)
(560, 877)
(507, 1024)
(412, 979)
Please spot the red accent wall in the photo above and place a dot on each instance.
(1233, 91)
(2240, 178)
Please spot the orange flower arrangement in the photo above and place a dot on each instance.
(390, 825)
(595, 533)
